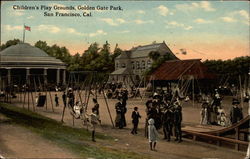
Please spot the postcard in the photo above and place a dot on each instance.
(124, 79)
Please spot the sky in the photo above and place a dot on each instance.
(204, 29)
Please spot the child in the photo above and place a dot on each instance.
(77, 110)
(36, 100)
(56, 100)
(223, 120)
(135, 120)
(152, 134)
(94, 120)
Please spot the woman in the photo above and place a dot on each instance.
(204, 114)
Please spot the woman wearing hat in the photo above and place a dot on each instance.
(235, 113)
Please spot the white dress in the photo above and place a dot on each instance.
(221, 120)
(152, 132)
(204, 116)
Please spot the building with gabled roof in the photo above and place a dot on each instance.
(174, 70)
(178, 71)
(136, 61)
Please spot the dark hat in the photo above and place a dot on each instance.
(135, 108)
(204, 104)
(235, 101)
(119, 98)
(94, 100)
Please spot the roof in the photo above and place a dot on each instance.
(175, 69)
(25, 55)
(124, 55)
(121, 71)
(143, 51)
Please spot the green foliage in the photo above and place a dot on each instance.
(154, 55)
(232, 68)
(95, 58)
(9, 43)
(61, 53)
(100, 59)
(157, 61)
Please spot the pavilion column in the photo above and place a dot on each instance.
(27, 75)
(58, 76)
(64, 77)
(45, 76)
(9, 75)
(0, 81)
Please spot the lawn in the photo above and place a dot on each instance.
(77, 140)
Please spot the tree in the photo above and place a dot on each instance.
(230, 68)
(102, 63)
(9, 43)
(42, 45)
(95, 58)
(117, 52)
(75, 63)
(89, 56)
(157, 61)
(154, 55)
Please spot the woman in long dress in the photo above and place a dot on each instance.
(204, 114)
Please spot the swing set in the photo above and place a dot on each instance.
(35, 85)
(80, 85)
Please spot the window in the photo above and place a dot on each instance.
(117, 65)
(133, 65)
(137, 64)
(143, 64)
(123, 65)
(149, 63)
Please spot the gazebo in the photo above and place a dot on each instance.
(24, 60)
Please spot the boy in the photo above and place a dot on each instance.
(56, 100)
(135, 120)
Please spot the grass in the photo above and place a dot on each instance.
(75, 139)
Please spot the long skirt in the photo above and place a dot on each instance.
(118, 120)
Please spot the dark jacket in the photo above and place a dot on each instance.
(135, 116)
(96, 108)
(168, 117)
(177, 115)
(235, 115)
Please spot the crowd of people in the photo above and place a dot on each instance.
(114, 90)
(163, 110)
(214, 114)
(166, 112)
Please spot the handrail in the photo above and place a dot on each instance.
(246, 119)
(194, 133)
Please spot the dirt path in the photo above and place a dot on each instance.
(171, 150)
(138, 143)
(18, 142)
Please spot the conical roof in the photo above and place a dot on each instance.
(23, 50)
(25, 55)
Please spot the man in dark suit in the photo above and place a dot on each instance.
(135, 120)
(235, 113)
(177, 121)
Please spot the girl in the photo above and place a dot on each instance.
(152, 134)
